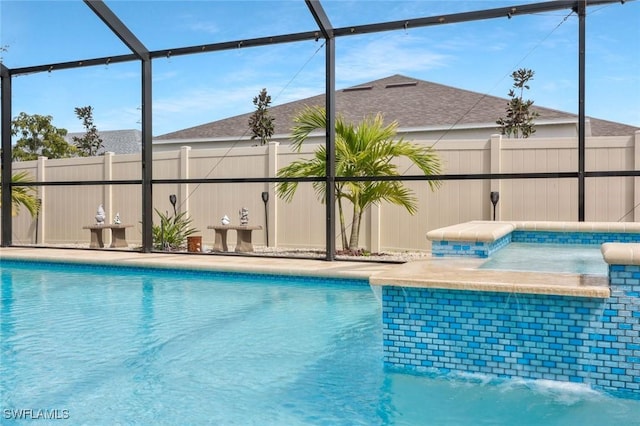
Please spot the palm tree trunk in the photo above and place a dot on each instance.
(343, 229)
(355, 227)
(343, 225)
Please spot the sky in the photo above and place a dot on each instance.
(195, 89)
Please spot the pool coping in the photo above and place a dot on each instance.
(621, 253)
(489, 231)
(462, 274)
(452, 273)
(198, 262)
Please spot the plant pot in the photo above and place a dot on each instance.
(194, 244)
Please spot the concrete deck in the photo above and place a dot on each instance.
(451, 273)
(202, 262)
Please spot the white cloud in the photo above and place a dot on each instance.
(206, 27)
(120, 118)
(396, 54)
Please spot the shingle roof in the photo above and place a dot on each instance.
(412, 102)
(116, 141)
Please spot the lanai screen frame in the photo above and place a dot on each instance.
(328, 33)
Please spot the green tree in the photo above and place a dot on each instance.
(261, 121)
(90, 143)
(37, 136)
(366, 149)
(23, 195)
(520, 119)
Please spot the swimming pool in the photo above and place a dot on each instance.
(159, 347)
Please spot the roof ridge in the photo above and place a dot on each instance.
(425, 103)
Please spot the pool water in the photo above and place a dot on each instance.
(118, 346)
(569, 258)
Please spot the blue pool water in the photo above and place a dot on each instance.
(569, 258)
(111, 346)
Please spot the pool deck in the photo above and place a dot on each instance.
(448, 273)
(201, 262)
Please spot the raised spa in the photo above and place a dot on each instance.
(564, 326)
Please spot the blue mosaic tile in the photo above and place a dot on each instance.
(555, 237)
(468, 248)
(581, 340)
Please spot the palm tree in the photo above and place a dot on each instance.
(23, 195)
(367, 149)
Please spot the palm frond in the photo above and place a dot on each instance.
(368, 149)
(23, 196)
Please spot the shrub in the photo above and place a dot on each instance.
(172, 232)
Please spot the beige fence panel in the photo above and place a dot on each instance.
(610, 199)
(301, 223)
(453, 202)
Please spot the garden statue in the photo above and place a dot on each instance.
(117, 220)
(225, 220)
(100, 217)
(244, 216)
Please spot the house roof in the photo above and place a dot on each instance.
(412, 102)
(116, 141)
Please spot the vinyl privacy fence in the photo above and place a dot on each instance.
(300, 224)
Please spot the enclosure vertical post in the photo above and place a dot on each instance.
(330, 109)
(147, 159)
(636, 180)
(331, 151)
(5, 129)
(582, 11)
(496, 167)
(128, 38)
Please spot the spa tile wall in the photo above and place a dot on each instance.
(468, 248)
(550, 237)
(572, 339)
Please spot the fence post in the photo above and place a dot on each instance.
(636, 180)
(496, 167)
(183, 195)
(41, 176)
(108, 191)
(272, 206)
(374, 230)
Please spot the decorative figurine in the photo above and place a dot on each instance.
(244, 216)
(117, 220)
(100, 216)
(225, 220)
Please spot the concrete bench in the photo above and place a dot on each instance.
(118, 237)
(243, 243)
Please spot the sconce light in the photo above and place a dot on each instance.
(495, 196)
(173, 199)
